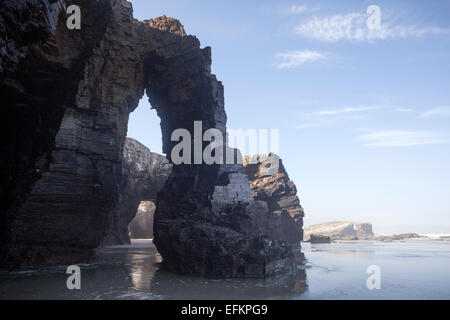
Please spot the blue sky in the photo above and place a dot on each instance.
(364, 115)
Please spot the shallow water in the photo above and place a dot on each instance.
(413, 269)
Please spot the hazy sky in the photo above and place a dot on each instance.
(364, 115)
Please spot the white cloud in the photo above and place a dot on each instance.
(345, 110)
(300, 9)
(436, 112)
(298, 58)
(352, 26)
(399, 138)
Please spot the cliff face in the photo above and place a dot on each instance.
(144, 174)
(271, 183)
(68, 97)
(59, 157)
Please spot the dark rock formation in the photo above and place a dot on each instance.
(58, 166)
(141, 227)
(144, 174)
(270, 182)
(319, 239)
(216, 228)
(341, 230)
(68, 94)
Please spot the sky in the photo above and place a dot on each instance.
(363, 108)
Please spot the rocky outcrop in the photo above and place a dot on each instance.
(319, 239)
(341, 230)
(216, 228)
(270, 182)
(141, 227)
(400, 236)
(144, 174)
(68, 97)
(167, 24)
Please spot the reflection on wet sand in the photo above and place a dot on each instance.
(148, 276)
(142, 274)
(171, 286)
(134, 272)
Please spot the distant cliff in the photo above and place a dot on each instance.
(340, 230)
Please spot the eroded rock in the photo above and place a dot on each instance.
(270, 182)
(68, 97)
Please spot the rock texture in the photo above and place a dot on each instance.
(167, 24)
(144, 174)
(141, 227)
(270, 182)
(59, 157)
(341, 230)
(68, 94)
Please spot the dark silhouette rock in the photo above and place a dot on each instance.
(317, 238)
(60, 155)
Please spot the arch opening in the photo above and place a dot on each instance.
(144, 125)
(141, 227)
(144, 173)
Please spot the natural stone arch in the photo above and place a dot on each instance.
(63, 212)
(204, 231)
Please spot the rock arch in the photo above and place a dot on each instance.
(60, 190)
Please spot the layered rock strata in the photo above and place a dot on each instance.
(68, 97)
(270, 182)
